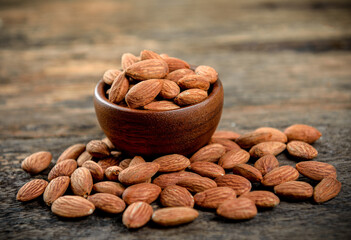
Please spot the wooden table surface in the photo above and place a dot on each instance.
(281, 62)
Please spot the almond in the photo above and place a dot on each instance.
(327, 189)
(226, 134)
(119, 88)
(238, 183)
(266, 164)
(164, 55)
(237, 209)
(55, 189)
(138, 173)
(95, 170)
(72, 207)
(109, 143)
(175, 63)
(98, 149)
(85, 156)
(265, 148)
(169, 89)
(115, 154)
(190, 96)
(209, 153)
(108, 162)
(64, 168)
(207, 169)
(107, 202)
(301, 132)
(81, 182)
(128, 60)
(173, 216)
(137, 215)
(72, 152)
(248, 172)
(109, 187)
(280, 175)
(213, 197)
(178, 74)
(148, 69)
(125, 163)
(161, 106)
(196, 184)
(208, 72)
(110, 75)
(31, 190)
(176, 196)
(295, 190)
(250, 139)
(136, 160)
(277, 135)
(112, 173)
(36, 162)
(316, 170)
(262, 199)
(301, 150)
(233, 157)
(147, 54)
(143, 93)
(172, 163)
(194, 81)
(165, 180)
(229, 145)
(146, 192)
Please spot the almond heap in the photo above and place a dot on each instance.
(158, 82)
(219, 176)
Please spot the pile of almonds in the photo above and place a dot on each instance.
(216, 177)
(157, 82)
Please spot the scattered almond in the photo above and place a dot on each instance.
(85, 156)
(228, 144)
(146, 192)
(327, 189)
(276, 134)
(138, 173)
(237, 209)
(262, 199)
(226, 134)
(233, 157)
(81, 182)
(71, 152)
(213, 197)
(196, 184)
(174, 216)
(137, 215)
(172, 163)
(168, 179)
(247, 171)
(265, 148)
(107, 202)
(266, 164)
(316, 170)
(301, 150)
(36, 162)
(95, 170)
(295, 190)
(55, 189)
(31, 190)
(64, 168)
(112, 173)
(98, 149)
(207, 169)
(238, 183)
(109, 187)
(302, 132)
(209, 153)
(72, 207)
(136, 160)
(280, 175)
(250, 139)
(176, 196)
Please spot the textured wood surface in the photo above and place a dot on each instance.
(281, 62)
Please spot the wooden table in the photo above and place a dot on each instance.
(281, 62)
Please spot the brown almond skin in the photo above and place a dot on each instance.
(208, 72)
(233, 157)
(31, 190)
(146, 192)
(212, 198)
(295, 190)
(64, 168)
(178, 74)
(250, 139)
(169, 89)
(265, 148)
(110, 75)
(111, 173)
(108, 143)
(107, 202)
(228, 144)
(174, 216)
(175, 64)
(161, 106)
(108, 162)
(72, 207)
(71, 152)
(176, 196)
(109, 187)
(98, 149)
(137, 215)
(172, 163)
(262, 199)
(138, 173)
(277, 135)
(81, 182)
(147, 54)
(302, 132)
(128, 59)
(237, 209)
(119, 88)
(196, 184)
(280, 175)
(226, 134)
(247, 171)
(143, 93)
(316, 170)
(207, 169)
(55, 189)
(148, 69)
(238, 183)
(36, 162)
(190, 96)
(327, 189)
(209, 153)
(301, 150)
(266, 164)
(168, 179)
(95, 170)
(85, 156)
(125, 163)
(194, 81)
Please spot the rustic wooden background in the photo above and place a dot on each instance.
(281, 62)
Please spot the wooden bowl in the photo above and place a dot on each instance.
(155, 133)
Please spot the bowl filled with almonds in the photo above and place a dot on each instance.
(157, 105)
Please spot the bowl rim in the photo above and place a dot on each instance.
(100, 95)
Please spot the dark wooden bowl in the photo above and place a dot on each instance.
(154, 133)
